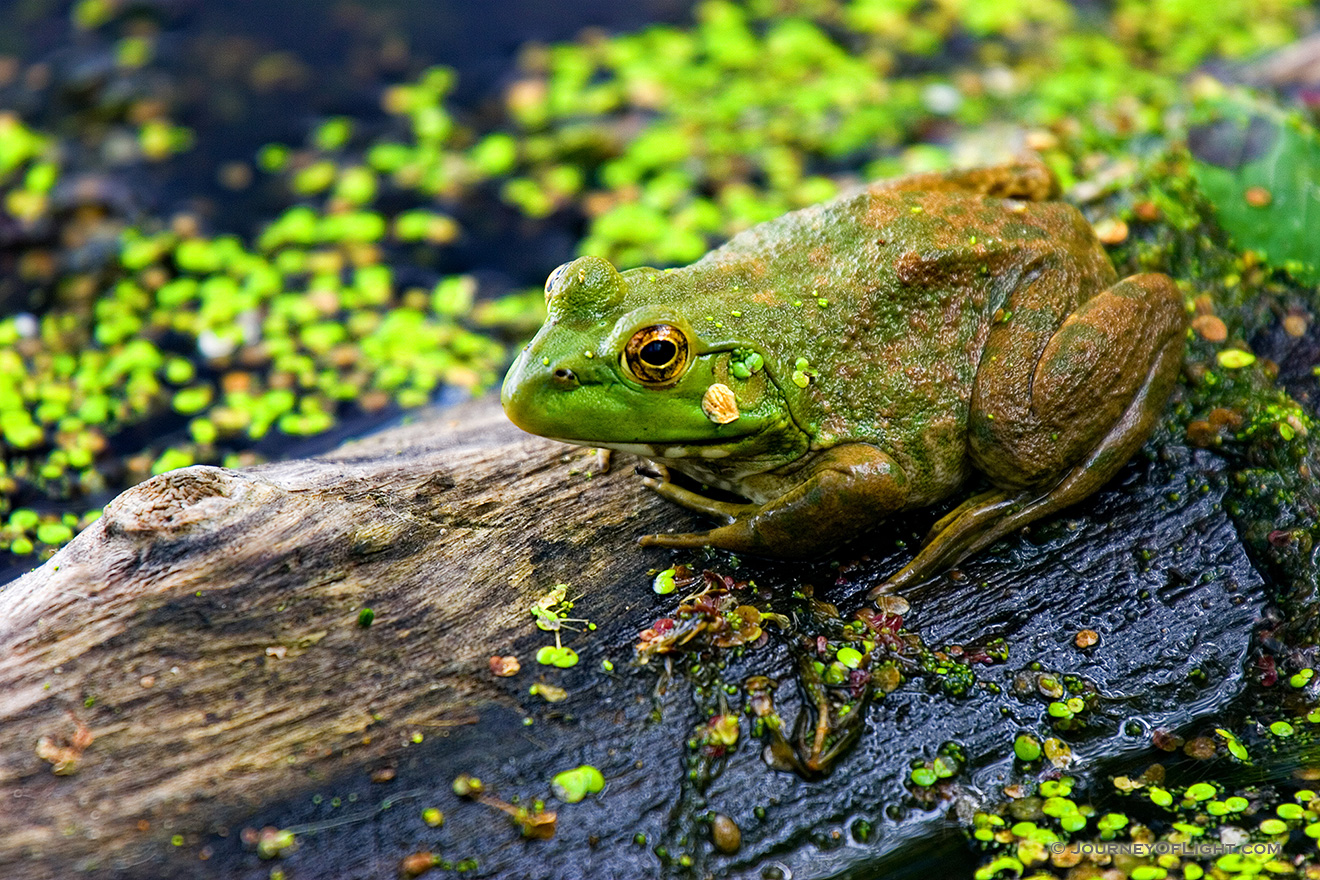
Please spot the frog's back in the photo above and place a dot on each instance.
(888, 296)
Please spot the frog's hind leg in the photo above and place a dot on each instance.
(945, 521)
(1095, 393)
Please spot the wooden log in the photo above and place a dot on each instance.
(195, 665)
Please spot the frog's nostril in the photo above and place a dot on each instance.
(565, 376)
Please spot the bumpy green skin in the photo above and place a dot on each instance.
(947, 322)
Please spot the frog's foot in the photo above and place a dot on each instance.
(960, 533)
(723, 510)
(945, 521)
(844, 491)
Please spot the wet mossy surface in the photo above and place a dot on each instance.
(1174, 615)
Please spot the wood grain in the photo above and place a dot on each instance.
(205, 633)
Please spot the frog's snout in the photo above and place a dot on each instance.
(531, 390)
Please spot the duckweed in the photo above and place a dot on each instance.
(1026, 747)
(850, 658)
(559, 656)
(1290, 812)
(571, 786)
(924, 776)
(1148, 872)
(1235, 747)
(663, 584)
(1110, 823)
(1273, 826)
(1061, 787)
(53, 533)
(999, 867)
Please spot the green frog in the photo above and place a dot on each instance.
(865, 357)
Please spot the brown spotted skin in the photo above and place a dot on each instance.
(911, 332)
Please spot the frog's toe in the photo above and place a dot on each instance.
(736, 537)
(884, 588)
(679, 540)
(908, 576)
(722, 510)
(945, 521)
(972, 525)
(652, 469)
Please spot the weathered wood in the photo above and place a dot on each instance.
(205, 631)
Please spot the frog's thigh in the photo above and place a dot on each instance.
(1139, 325)
(1035, 416)
(844, 491)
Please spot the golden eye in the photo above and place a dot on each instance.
(656, 355)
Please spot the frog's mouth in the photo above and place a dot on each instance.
(592, 416)
(708, 450)
(595, 410)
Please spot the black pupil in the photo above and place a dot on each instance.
(658, 352)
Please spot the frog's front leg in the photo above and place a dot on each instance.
(723, 510)
(844, 491)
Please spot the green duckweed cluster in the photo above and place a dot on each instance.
(230, 341)
(1068, 701)
(551, 612)
(571, 786)
(1235, 823)
(28, 170)
(948, 761)
(767, 106)
(157, 345)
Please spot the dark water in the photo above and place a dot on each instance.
(339, 55)
(336, 59)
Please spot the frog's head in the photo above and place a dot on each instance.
(618, 362)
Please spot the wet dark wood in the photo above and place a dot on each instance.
(205, 634)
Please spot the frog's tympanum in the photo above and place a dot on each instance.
(864, 357)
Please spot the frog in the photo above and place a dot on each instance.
(856, 361)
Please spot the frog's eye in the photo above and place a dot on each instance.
(553, 280)
(656, 355)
